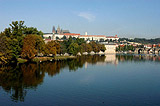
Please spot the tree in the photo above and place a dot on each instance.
(94, 46)
(40, 44)
(101, 47)
(73, 48)
(33, 44)
(79, 41)
(64, 37)
(3, 59)
(29, 47)
(32, 30)
(6, 48)
(57, 38)
(52, 47)
(13, 39)
(86, 47)
(63, 47)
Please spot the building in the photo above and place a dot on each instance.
(112, 38)
(47, 36)
(59, 34)
(110, 48)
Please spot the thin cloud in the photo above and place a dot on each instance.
(90, 17)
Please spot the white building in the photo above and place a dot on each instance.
(112, 37)
(86, 37)
(110, 48)
(48, 36)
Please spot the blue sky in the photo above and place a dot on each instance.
(126, 18)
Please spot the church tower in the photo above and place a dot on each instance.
(53, 30)
(58, 30)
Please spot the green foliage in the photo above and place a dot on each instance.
(63, 47)
(3, 59)
(64, 37)
(12, 38)
(86, 47)
(32, 30)
(142, 40)
(75, 45)
(73, 48)
(125, 48)
(94, 46)
(80, 41)
(101, 47)
(57, 38)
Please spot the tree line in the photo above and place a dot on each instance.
(20, 41)
(142, 40)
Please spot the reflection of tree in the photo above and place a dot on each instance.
(17, 79)
(11, 82)
(79, 61)
(138, 58)
(51, 68)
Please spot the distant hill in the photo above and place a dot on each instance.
(142, 40)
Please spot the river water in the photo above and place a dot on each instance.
(111, 80)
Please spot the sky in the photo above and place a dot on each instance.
(125, 18)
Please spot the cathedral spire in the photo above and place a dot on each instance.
(58, 30)
(53, 30)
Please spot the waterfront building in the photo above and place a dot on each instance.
(110, 48)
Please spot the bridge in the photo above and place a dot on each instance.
(147, 51)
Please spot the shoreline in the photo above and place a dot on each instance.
(57, 58)
(41, 59)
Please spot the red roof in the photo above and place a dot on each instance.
(71, 34)
(112, 36)
(121, 45)
(154, 45)
(148, 45)
(92, 36)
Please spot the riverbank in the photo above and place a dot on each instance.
(41, 59)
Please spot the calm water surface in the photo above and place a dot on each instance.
(112, 80)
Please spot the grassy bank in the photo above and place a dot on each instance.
(20, 60)
(40, 59)
(63, 57)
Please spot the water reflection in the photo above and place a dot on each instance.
(17, 79)
(140, 58)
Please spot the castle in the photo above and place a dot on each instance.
(60, 34)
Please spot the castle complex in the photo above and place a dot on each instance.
(60, 34)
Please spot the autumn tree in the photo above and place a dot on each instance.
(101, 47)
(5, 49)
(94, 46)
(33, 44)
(29, 47)
(13, 39)
(86, 47)
(52, 47)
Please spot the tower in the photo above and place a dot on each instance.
(58, 30)
(86, 33)
(53, 30)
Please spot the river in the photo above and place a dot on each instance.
(110, 80)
